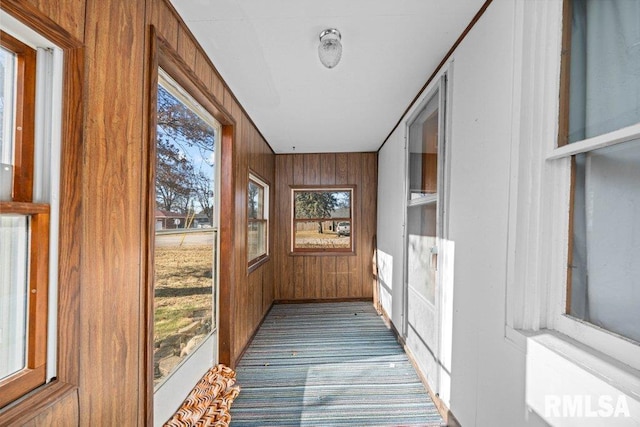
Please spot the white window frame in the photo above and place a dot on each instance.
(540, 189)
(47, 152)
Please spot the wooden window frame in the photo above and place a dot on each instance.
(63, 388)
(263, 219)
(323, 251)
(24, 117)
(34, 373)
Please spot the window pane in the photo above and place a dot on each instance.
(14, 254)
(256, 201)
(322, 235)
(421, 262)
(322, 204)
(7, 104)
(322, 220)
(257, 239)
(185, 240)
(605, 270)
(423, 151)
(605, 67)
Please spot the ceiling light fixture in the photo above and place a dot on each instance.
(330, 48)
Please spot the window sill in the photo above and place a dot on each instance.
(557, 366)
(31, 405)
(255, 264)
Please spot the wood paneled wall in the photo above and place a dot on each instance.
(326, 277)
(253, 299)
(104, 293)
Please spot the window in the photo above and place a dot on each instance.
(322, 220)
(186, 224)
(602, 137)
(25, 212)
(257, 220)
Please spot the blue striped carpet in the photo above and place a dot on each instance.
(328, 364)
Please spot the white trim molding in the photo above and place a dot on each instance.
(540, 190)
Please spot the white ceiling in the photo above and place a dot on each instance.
(267, 52)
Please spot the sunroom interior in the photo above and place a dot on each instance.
(434, 200)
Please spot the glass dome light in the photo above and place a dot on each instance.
(330, 48)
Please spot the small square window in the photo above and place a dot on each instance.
(322, 220)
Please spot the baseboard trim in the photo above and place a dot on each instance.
(445, 412)
(321, 301)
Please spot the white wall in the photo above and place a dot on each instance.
(390, 225)
(507, 219)
(488, 372)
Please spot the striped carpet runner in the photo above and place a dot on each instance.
(329, 364)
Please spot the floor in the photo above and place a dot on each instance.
(329, 364)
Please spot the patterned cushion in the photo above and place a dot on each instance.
(209, 403)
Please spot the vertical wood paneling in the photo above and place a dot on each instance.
(253, 290)
(342, 263)
(268, 289)
(228, 99)
(202, 68)
(286, 277)
(111, 306)
(369, 212)
(186, 48)
(299, 278)
(218, 87)
(298, 262)
(69, 14)
(354, 174)
(243, 310)
(326, 276)
(311, 169)
(312, 266)
(227, 248)
(70, 224)
(327, 169)
(342, 168)
(104, 198)
(165, 22)
(342, 277)
(314, 276)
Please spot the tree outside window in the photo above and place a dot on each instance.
(322, 220)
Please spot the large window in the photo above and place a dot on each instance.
(186, 236)
(25, 211)
(257, 220)
(602, 134)
(322, 220)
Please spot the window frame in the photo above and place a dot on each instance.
(24, 122)
(351, 250)
(34, 374)
(608, 342)
(180, 89)
(540, 196)
(254, 263)
(59, 125)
